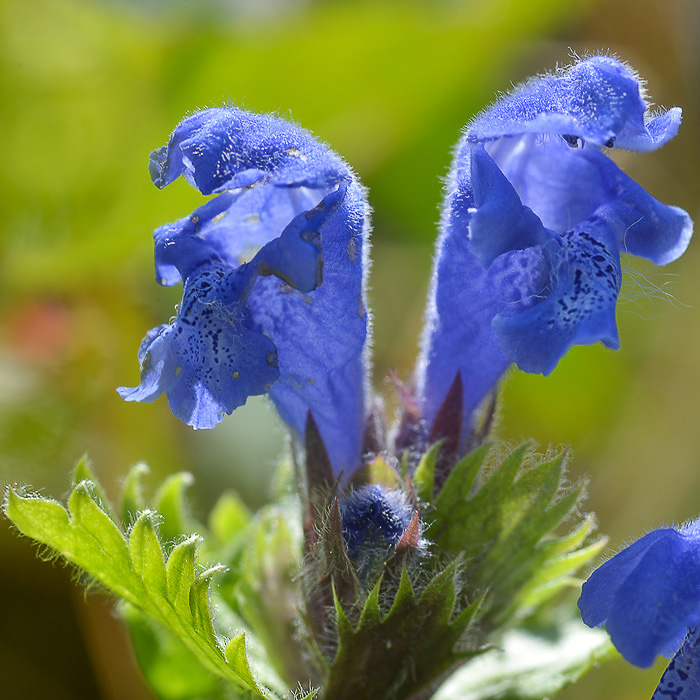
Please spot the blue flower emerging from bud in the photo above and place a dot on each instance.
(374, 519)
(536, 216)
(648, 597)
(273, 275)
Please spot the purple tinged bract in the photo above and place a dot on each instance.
(535, 218)
(273, 268)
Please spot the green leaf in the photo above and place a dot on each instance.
(170, 593)
(199, 604)
(180, 574)
(41, 519)
(266, 595)
(83, 472)
(500, 515)
(529, 665)
(461, 479)
(99, 544)
(237, 659)
(172, 671)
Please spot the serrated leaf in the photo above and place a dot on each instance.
(169, 593)
(371, 613)
(199, 604)
(343, 624)
(42, 519)
(543, 478)
(416, 638)
(170, 668)
(529, 665)
(459, 483)
(171, 503)
(405, 595)
(147, 555)
(501, 527)
(441, 592)
(132, 500)
(563, 545)
(556, 573)
(98, 542)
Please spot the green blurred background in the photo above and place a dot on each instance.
(87, 89)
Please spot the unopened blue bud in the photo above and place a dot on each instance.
(374, 519)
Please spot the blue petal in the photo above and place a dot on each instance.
(599, 590)
(648, 595)
(233, 226)
(654, 607)
(597, 100)
(535, 218)
(227, 147)
(321, 337)
(681, 680)
(458, 333)
(208, 361)
(584, 273)
(499, 222)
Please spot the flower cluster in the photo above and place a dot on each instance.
(535, 218)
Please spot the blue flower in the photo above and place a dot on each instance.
(273, 274)
(535, 218)
(648, 595)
